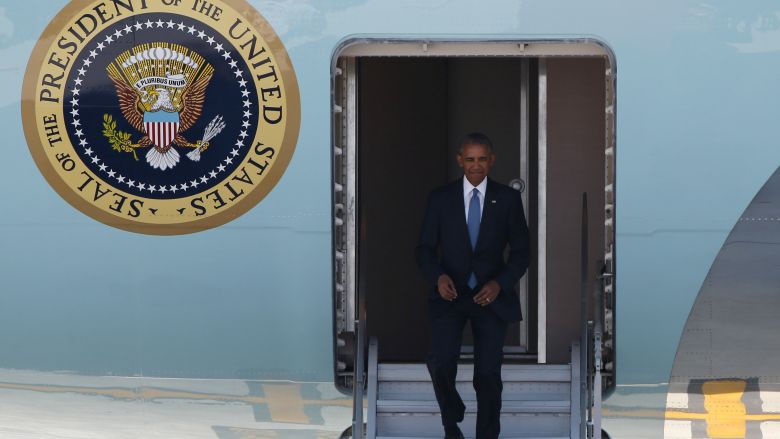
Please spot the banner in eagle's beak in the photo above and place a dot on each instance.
(161, 127)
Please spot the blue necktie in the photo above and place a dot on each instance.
(473, 224)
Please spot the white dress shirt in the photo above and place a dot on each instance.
(468, 190)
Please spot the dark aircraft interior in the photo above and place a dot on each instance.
(412, 112)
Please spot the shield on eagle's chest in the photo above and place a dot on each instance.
(161, 127)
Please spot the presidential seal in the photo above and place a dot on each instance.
(161, 116)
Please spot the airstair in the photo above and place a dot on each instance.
(396, 400)
(537, 400)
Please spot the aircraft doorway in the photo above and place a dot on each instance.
(397, 123)
(412, 113)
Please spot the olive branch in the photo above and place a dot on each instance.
(119, 140)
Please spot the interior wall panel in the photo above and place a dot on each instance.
(575, 158)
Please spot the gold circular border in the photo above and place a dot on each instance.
(285, 150)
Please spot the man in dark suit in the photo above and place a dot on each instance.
(467, 227)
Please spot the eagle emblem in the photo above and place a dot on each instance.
(161, 89)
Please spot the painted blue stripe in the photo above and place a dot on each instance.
(161, 116)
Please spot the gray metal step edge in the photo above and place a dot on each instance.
(504, 437)
(536, 373)
(470, 395)
(512, 425)
(471, 366)
(507, 407)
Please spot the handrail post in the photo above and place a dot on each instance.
(584, 334)
(575, 428)
(372, 387)
(598, 331)
(358, 381)
(596, 409)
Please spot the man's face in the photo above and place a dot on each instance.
(476, 162)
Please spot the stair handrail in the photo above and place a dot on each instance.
(359, 380)
(372, 387)
(591, 335)
(596, 366)
(585, 390)
(576, 389)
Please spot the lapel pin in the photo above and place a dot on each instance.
(493, 201)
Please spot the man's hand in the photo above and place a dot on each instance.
(488, 293)
(446, 288)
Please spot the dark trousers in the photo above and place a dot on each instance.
(446, 336)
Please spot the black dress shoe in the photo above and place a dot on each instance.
(453, 433)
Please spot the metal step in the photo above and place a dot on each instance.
(419, 391)
(507, 407)
(523, 425)
(509, 372)
(505, 437)
(423, 391)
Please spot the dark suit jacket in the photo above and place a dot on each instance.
(444, 245)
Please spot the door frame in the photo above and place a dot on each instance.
(348, 309)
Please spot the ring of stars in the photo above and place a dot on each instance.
(185, 186)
